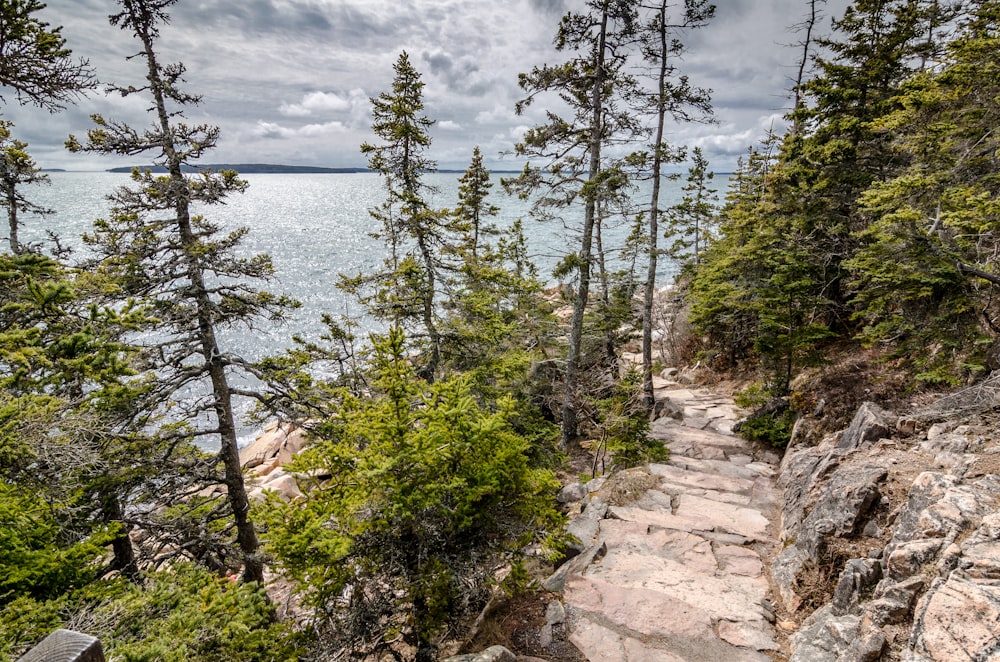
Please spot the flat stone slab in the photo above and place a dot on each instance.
(719, 467)
(733, 598)
(640, 610)
(598, 642)
(716, 516)
(681, 475)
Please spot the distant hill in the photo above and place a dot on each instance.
(249, 168)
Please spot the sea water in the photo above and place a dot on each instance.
(314, 227)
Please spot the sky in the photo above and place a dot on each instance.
(290, 81)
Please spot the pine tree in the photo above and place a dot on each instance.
(156, 249)
(405, 292)
(592, 84)
(427, 491)
(17, 169)
(34, 60)
(927, 267)
(691, 219)
(672, 98)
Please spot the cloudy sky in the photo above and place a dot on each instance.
(289, 81)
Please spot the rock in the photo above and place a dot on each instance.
(893, 602)
(957, 620)
(836, 502)
(491, 654)
(285, 485)
(909, 558)
(278, 441)
(857, 575)
(824, 637)
(571, 492)
(906, 426)
(555, 613)
(870, 423)
(867, 648)
(557, 580)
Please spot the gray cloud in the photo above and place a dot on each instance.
(290, 80)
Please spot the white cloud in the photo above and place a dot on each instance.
(449, 125)
(274, 130)
(316, 102)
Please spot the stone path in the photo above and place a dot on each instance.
(671, 563)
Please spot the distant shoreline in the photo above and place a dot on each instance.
(275, 169)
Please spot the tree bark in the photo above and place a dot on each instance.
(569, 414)
(246, 533)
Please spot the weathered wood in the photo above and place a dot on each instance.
(66, 646)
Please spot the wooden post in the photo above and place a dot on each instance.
(66, 646)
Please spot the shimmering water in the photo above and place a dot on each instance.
(314, 227)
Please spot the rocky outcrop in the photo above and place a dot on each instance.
(891, 542)
(265, 457)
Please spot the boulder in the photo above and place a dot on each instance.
(870, 423)
(957, 620)
(491, 654)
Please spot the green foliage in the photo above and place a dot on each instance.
(690, 222)
(182, 614)
(426, 490)
(624, 426)
(926, 272)
(405, 291)
(186, 614)
(38, 558)
(772, 419)
(772, 428)
(25, 621)
(34, 60)
(17, 169)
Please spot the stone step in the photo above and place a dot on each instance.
(681, 476)
(731, 597)
(676, 578)
(636, 625)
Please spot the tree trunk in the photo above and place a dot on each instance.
(569, 415)
(246, 533)
(649, 399)
(124, 554)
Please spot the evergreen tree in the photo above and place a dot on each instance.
(34, 60)
(495, 322)
(427, 491)
(672, 98)
(17, 168)
(927, 267)
(691, 219)
(575, 177)
(405, 291)
(156, 249)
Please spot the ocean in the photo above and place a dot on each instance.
(314, 227)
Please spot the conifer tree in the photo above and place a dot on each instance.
(405, 292)
(691, 219)
(17, 169)
(428, 490)
(575, 178)
(672, 97)
(34, 60)
(155, 248)
(927, 267)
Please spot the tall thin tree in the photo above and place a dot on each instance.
(592, 83)
(672, 97)
(156, 249)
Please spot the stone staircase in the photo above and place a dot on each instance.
(672, 563)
